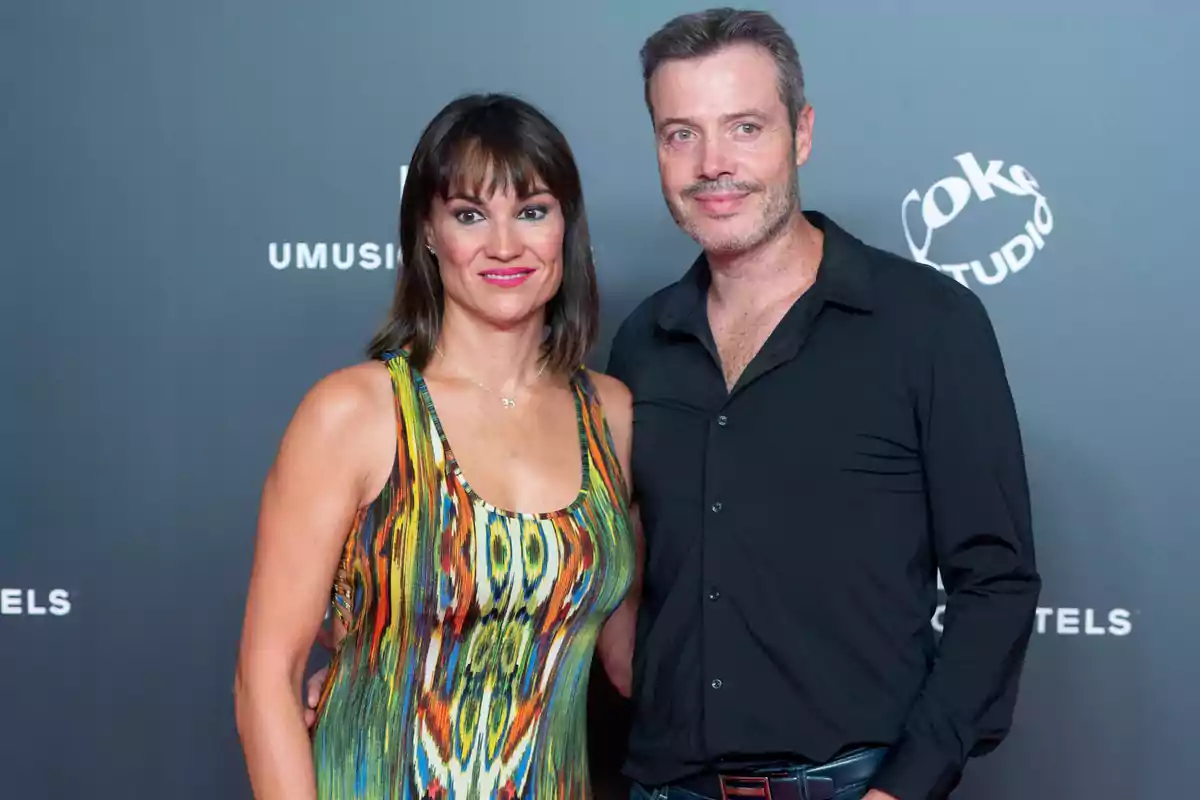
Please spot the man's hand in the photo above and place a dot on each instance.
(328, 638)
(875, 794)
(313, 696)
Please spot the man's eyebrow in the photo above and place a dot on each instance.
(755, 113)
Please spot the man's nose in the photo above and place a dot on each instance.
(714, 160)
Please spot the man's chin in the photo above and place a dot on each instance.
(722, 242)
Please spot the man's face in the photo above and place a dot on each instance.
(727, 156)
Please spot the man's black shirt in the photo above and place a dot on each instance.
(794, 525)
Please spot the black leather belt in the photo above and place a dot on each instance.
(788, 782)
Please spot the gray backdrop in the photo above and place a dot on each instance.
(154, 345)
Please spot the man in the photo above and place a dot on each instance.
(819, 427)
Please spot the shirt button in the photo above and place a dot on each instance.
(716, 684)
(714, 595)
(716, 507)
(722, 420)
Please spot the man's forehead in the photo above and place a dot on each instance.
(740, 75)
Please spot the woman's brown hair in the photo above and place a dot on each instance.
(507, 142)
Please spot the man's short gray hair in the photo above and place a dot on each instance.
(704, 32)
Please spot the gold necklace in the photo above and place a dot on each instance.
(508, 401)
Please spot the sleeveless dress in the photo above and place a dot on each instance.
(471, 629)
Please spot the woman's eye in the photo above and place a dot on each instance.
(534, 213)
(467, 216)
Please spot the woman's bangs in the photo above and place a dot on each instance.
(479, 169)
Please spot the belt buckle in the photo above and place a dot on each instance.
(734, 787)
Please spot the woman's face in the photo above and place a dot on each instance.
(500, 256)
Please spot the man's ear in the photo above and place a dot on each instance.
(804, 133)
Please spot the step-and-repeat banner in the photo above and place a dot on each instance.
(197, 220)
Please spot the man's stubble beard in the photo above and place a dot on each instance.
(777, 213)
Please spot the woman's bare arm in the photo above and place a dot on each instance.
(324, 472)
(615, 645)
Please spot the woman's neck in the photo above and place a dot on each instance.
(503, 359)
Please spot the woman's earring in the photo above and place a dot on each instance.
(429, 247)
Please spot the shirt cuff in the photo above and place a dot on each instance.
(917, 769)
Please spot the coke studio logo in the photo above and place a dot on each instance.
(946, 199)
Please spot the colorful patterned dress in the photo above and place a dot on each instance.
(464, 673)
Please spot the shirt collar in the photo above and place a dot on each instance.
(843, 279)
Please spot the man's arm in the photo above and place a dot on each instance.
(979, 505)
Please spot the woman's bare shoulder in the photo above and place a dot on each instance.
(347, 396)
(343, 415)
(617, 402)
(614, 394)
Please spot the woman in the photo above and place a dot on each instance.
(462, 497)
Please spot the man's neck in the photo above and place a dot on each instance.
(785, 264)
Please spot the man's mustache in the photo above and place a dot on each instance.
(720, 186)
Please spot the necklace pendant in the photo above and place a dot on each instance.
(508, 402)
